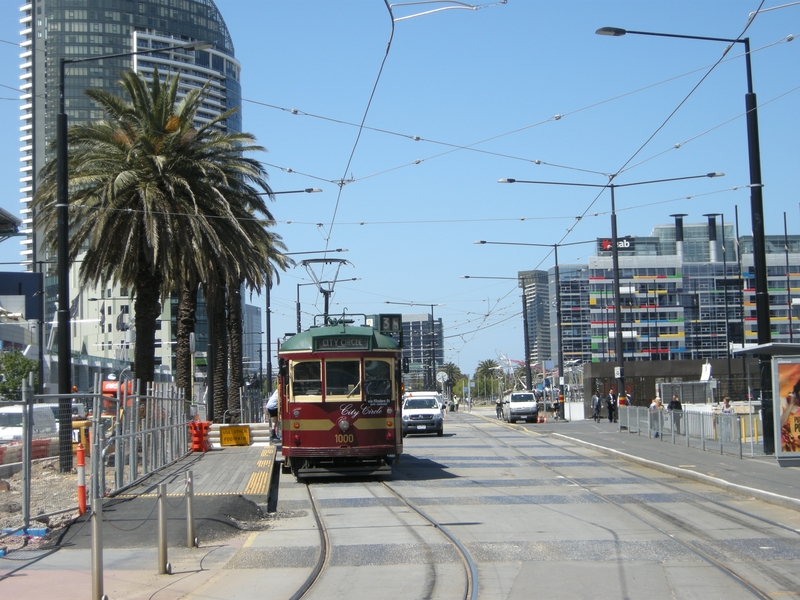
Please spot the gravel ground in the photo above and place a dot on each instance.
(51, 491)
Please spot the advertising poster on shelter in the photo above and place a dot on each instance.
(786, 390)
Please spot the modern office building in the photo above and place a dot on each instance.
(536, 289)
(423, 346)
(53, 30)
(687, 292)
(576, 332)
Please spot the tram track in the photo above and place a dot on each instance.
(326, 547)
(724, 510)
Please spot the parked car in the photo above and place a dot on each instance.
(78, 410)
(44, 424)
(422, 415)
(429, 394)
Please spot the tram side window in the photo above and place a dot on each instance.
(342, 377)
(377, 378)
(306, 379)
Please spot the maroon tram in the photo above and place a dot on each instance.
(340, 389)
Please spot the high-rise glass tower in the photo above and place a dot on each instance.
(75, 29)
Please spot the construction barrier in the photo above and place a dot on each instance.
(40, 449)
(13, 454)
(199, 431)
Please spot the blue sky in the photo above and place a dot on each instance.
(489, 93)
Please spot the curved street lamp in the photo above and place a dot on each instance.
(756, 210)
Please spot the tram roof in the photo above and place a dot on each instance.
(304, 342)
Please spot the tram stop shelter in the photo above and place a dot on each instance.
(785, 366)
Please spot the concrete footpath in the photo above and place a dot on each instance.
(231, 502)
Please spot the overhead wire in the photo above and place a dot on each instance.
(659, 128)
(471, 147)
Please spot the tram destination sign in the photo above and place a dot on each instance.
(343, 343)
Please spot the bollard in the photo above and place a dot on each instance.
(741, 428)
(191, 541)
(81, 480)
(703, 431)
(164, 568)
(97, 549)
(686, 427)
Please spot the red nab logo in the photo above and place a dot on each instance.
(622, 244)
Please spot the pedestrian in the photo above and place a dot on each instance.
(498, 407)
(727, 409)
(727, 424)
(596, 402)
(655, 415)
(272, 410)
(676, 410)
(455, 403)
(611, 405)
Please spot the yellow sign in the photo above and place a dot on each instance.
(234, 435)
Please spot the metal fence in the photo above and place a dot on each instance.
(690, 392)
(698, 426)
(252, 408)
(125, 440)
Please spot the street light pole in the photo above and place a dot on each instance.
(788, 279)
(268, 334)
(618, 344)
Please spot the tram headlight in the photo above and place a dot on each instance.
(344, 425)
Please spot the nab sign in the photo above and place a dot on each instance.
(625, 244)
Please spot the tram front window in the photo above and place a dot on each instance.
(377, 379)
(342, 377)
(306, 379)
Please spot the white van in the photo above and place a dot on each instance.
(520, 405)
(429, 394)
(44, 424)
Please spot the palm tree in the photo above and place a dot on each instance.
(145, 186)
(249, 256)
(485, 373)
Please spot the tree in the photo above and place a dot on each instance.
(452, 370)
(148, 190)
(14, 368)
(485, 378)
